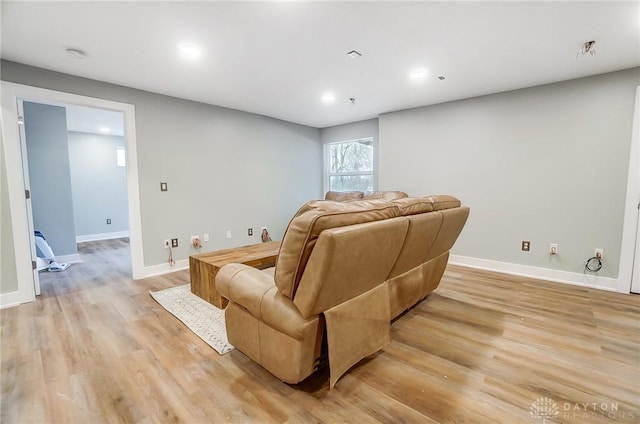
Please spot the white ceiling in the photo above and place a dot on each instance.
(278, 58)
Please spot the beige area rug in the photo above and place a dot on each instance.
(204, 319)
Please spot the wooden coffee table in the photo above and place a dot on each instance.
(204, 267)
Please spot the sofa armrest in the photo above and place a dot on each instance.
(244, 285)
(255, 291)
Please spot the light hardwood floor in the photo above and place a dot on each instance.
(483, 348)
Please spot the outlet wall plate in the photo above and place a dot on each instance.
(526, 246)
(174, 242)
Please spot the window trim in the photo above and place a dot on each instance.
(122, 164)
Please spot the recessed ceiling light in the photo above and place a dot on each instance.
(104, 130)
(189, 50)
(418, 74)
(328, 97)
(76, 53)
(354, 54)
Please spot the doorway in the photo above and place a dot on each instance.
(75, 158)
(23, 249)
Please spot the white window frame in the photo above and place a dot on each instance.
(121, 157)
(327, 164)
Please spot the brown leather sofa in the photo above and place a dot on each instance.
(342, 196)
(343, 272)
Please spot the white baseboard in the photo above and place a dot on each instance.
(7, 300)
(154, 270)
(574, 278)
(102, 236)
(70, 259)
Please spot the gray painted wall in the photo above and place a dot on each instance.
(354, 131)
(225, 169)
(98, 185)
(48, 153)
(546, 164)
(8, 274)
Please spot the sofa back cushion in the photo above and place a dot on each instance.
(384, 195)
(347, 262)
(443, 201)
(343, 196)
(422, 233)
(452, 222)
(305, 228)
(414, 205)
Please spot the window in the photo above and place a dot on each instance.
(121, 159)
(350, 165)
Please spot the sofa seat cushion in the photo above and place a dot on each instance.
(304, 229)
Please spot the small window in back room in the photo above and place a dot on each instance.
(121, 159)
(350, 165)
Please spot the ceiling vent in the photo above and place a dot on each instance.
(76, 53)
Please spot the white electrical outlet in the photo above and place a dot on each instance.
(553, 249)
(598, 253)
(228, 233)
(167, 244)
(206, 236)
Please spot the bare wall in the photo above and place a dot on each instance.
(98, 185)
(546, 164)
(225, 169)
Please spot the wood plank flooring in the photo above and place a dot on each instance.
(483, 348)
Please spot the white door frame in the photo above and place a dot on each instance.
(635, 278)
(11, 92)
(630, 223)
(27, 185)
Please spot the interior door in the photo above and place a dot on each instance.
(27, 188)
